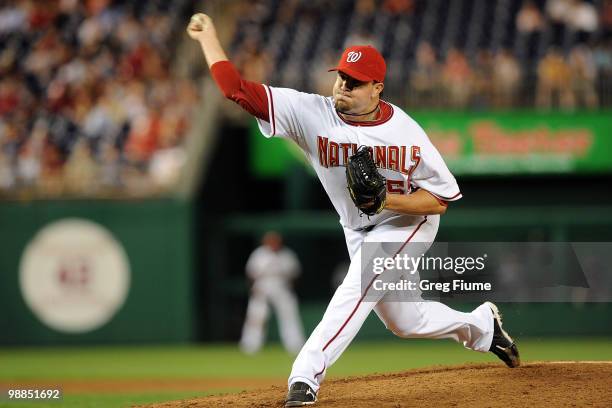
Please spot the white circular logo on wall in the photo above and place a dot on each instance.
(74, 275)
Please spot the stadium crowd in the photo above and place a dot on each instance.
(88, 104)
(548, 54)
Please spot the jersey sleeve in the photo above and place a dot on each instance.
(290, 113)
(432, 174)
(249, 95)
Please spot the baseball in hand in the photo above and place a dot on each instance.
(198, 24)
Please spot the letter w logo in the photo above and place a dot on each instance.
(353, 56)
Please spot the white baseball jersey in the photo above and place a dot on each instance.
(403, 153)
(269, 268)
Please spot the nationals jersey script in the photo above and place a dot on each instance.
(403, 153)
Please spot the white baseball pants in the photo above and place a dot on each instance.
(347, 309)
(285, 306)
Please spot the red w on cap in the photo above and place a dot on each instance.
(362, 62)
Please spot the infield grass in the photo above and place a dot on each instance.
(224, 363)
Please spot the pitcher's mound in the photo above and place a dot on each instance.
(543, 384)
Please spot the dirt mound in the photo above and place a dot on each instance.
(550, 384)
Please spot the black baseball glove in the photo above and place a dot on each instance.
(367, 187)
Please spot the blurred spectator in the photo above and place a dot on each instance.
(364, 9)
(606, 18)
(169, 158)
(506, 79)
(7, 179)
(362, 36)
(529, 19)
(360, 27)
(287, 11)
(110, 165)
(30, 155)
(457, 77)
(399, 7)
(558, 10)
(50, 180)
(80, 171)
(553, 76)
(12, 19)
(254, 63)
(583, 76)
(582, 18)
(323, 80)
(602, 60)
(482, 88)
(425, 77)
(10, 95)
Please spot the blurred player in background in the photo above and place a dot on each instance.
(272, 268)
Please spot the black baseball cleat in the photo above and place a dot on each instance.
(300, 394)
(503, 346)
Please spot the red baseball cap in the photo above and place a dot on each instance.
(362, 62)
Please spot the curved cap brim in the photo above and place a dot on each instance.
(352, 73)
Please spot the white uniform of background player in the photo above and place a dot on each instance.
(272, 268)
(412, 162)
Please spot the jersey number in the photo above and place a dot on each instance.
(399, 186)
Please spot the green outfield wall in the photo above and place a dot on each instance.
(132, 274)
(162, 295)
(308, 232)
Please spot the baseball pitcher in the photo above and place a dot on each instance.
(387, 182)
